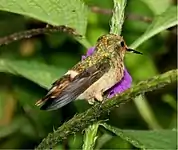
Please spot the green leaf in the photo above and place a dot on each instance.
(90, 136)
(72, 13)
(146, 112)
(3, 94)
(17, 124)
(157, 7)
(103, 140)
(166, 20)
(155, 139)
(84, 42)
(37, 72)
(169, 99)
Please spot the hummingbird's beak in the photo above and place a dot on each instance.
(133, 51)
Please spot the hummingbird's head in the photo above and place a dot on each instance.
(114, 43)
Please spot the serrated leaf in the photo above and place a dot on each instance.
(39, 73)
(72, 13)
(90, 137)
(166, 20)
(155, 139)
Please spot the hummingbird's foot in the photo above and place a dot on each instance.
(96, 99)
(91, 101)
(99, 97)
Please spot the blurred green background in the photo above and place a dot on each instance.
(23, 125)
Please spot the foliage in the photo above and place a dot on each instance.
(28, 67)
(81, 121)
(53, 12)
(147, 139)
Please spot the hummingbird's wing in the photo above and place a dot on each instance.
(67, 89)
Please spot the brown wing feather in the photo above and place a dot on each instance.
(66, 89)
(56, 89)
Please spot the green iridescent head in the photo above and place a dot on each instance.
(113, 42)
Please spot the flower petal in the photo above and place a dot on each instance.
(122, 85)
(90, 51)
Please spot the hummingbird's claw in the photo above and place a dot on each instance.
(99, 97)
(91, 101)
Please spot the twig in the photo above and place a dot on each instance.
(132, 16)
(81, 121)
(139, 17)
(33, 32)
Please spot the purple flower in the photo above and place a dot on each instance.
(119, 87)
(89, 52)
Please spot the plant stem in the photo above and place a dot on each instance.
(117, 19)
(81, 121)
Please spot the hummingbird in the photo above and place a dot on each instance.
(90, 78)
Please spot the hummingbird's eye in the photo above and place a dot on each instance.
(122, 43)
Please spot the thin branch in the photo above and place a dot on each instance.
(139, 17)
(33, 32)
(81, 121)
(99, 10)
(132, 16)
